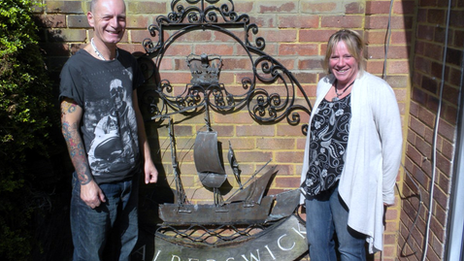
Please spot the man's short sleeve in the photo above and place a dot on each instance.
(71, 83)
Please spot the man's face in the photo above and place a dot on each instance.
(108, 18)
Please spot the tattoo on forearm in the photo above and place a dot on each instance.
(74, 142)
(76, 152)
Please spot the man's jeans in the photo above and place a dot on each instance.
(326, 213)
(110, 231)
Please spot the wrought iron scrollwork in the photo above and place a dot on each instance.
(263, 86)
(201, 11)
(265, 106)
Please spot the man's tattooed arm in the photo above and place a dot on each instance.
(71, 115)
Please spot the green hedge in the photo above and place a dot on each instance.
(26, 103)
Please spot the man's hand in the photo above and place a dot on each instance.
(92, 195)
(151, 173)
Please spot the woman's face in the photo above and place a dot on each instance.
(342, 64)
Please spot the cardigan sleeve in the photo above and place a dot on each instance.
(388, 123)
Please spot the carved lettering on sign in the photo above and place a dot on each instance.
(283, 242)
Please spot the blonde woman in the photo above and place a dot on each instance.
(352, 155)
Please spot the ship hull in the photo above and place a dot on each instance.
(232, 213)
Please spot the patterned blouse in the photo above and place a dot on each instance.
(329, 139)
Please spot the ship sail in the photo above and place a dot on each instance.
(207, 161)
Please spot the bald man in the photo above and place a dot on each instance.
(105, 134)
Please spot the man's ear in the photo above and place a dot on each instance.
(90, 19)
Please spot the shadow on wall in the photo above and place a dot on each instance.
(151, 195)
(50, 222)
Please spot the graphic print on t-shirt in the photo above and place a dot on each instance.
(113, 147)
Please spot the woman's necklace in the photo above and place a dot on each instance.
(98, 53)
(344, 90)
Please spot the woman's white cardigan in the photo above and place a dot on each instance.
(373, 154)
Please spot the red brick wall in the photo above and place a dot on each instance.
(426, 63)
(296, 32)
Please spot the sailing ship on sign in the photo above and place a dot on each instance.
(249, 224)
(248, 204)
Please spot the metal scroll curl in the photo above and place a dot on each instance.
(201, 11)
(270, 107)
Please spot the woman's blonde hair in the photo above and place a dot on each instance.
(354, 42)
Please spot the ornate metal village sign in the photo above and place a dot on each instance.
(249, 225)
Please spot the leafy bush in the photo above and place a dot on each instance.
(25, 109)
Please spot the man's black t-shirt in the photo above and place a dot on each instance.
(108, 126)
